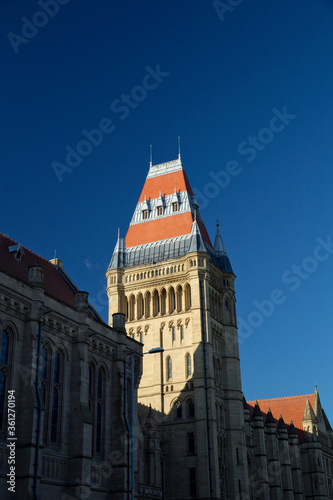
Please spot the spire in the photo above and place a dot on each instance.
(309, 413)
(179, 155)
(219, 247)
(196, 240)
(317, 405)
(151, 156)
(269, 417)
(256, 411)
(118, 256)
(281, 424)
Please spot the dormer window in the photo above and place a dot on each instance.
(145, 214)
(159, 210)
(175, 206)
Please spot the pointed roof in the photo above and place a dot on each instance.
(309, 414)
(166, 223)
(219, 247)
(168, 181)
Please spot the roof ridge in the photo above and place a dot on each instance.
(26, 248)
(283, 397)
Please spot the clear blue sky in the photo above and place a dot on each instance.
(222, 78)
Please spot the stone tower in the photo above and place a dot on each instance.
(177, 292)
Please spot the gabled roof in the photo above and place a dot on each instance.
(57, 283)
(290, 408)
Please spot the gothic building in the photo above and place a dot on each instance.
(176, 290)
(150, 406)
(70, 437)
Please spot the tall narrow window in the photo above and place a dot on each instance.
(179, 410)
(187, 297)
(175, 207)
(169, 368)
(190, 409)
(3, 374)
(140, 306)
(190, 443)
(193, 481)
(99, 411)
(181, 332)
(188, 361)
(145, 214)
(163, 301)
(55, 399)
(159, 210)
(156, 303)
(147, 305)
(179, 298)
(173, 333)
(172, 300)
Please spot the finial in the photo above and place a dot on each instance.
(55, 253)
(118, 232)
(151, 155)
(195, 213)
(179, 155)
(217, 217)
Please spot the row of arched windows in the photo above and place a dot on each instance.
(154, 273)
(157, 303)
(188, 367)
(184, 410)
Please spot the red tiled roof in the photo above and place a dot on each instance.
(177, 224)
(291, 408)
(55, 284)
(166, 184)
(163, 229)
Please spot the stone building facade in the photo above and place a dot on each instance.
(177, 292)
(76, 426)
(152, 405)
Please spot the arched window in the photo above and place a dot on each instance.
(131, 307)
(187, 297)
(190, 408)
(172, 300)
(156, 303)
(140, 306)
(188, 365)
(125, 307)
(4, 349)
(179, 298)
(163, 301)
(179, 410)
(169, 368)
(147, 305)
